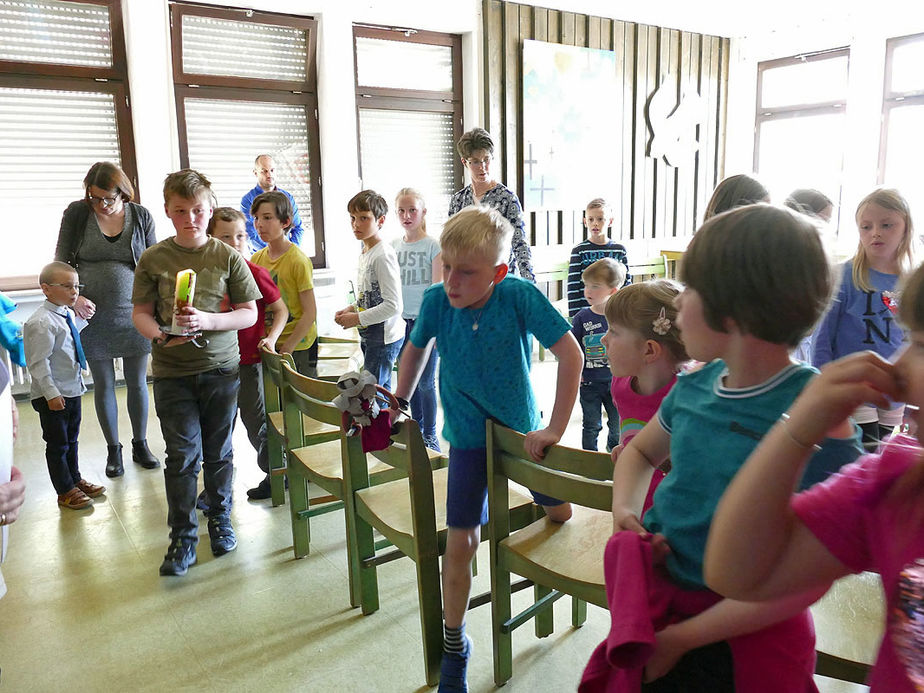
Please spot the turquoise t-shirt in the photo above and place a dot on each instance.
(713, 430)
(485, 372)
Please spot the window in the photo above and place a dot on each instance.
(409, 104)
(801, 123)
(245, 86)
(901, 147)
(64, 105)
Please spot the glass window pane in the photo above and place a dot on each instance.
(224, 137)
(907, 59)
(411, 149)
(804, 152)
(904, 153)
(814, 81)
(243, 49)
(403, 65)
(51, 138)
(51, 31)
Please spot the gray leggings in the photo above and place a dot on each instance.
(135, 370)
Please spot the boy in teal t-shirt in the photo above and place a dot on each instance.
(482, 324)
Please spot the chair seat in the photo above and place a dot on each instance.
(324, 460)
(571, 550)
(338, 350)
(309, 426)
(390, 503)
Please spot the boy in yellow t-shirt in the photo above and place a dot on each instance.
(291, 269)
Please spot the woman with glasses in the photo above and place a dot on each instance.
(102, 237)
(477, 149)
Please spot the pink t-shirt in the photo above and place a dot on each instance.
(635, 410)
(852, 515)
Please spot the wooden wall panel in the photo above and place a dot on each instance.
(655, 204)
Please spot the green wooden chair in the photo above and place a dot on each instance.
(331, 465)
(410, 513)
(559, 558)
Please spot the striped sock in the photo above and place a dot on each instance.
(453, 638)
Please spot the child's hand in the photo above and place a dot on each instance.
(194, 320)
(630, 523)
(270, 344)
(668, 651)
(349, 309)
(56, 403)
(537, 441)
(347, 319)
(614, 453)
(843, 385)
(85, 308)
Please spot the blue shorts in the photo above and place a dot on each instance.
(467, 489)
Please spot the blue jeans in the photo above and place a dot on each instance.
(423, 401)
(196, 415)
(593, 395)
(59, 431)
(379, 359)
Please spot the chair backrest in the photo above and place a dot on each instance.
(308, 396)
(272, 378)
(577, 476)
(409, 454)
(649, 268)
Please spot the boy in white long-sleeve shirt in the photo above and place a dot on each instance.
(377, 312)
(54, 355)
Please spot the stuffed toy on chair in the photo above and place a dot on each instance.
(362, 413)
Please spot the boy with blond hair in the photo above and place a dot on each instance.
(227, 225)
(601, 280)
(54, 356)
(195, 378)
(598, 217)
(481, 323)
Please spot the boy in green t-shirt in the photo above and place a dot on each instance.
(195, 381)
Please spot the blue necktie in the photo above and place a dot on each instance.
(78, 347)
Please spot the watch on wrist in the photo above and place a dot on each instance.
(403, 404)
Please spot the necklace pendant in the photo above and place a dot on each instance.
(474, 327)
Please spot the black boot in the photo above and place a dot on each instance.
(142, 455)
(114, 461)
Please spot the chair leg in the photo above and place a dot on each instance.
(298, 502)
(277, 466)
(544, 620)
(500, 614)
(578, 612)
(364, 589)
(431, 615)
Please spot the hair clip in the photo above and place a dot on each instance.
(662, 324)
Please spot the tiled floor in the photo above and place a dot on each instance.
(87, 611)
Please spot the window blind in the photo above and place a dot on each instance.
(403, 65)
(409, 149)
(51, 138)
(225, 136)
(213, 46)
(52, 31)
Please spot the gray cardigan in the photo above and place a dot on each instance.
(74, 224)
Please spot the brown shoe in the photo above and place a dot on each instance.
(75, 499)
(92, 490)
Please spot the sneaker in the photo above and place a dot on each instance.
(180, 555)
(432, 442)
(221, 535)
(75, 499)
(202, 502)
(92, 490)
(453, 669)
(261, 491)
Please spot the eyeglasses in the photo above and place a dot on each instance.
(479, 163)
(105, 202)
(79, 287)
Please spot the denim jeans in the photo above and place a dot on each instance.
(253, 410)
(593, 395)
(423, 401)
(196, 415)
(59, 431)
(379, 359)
